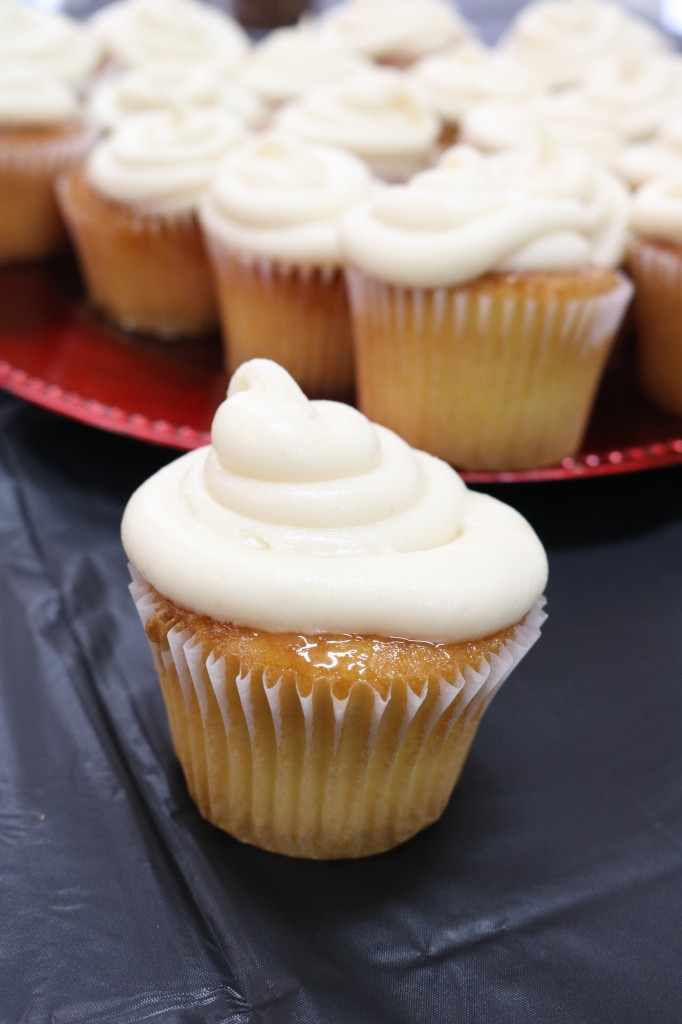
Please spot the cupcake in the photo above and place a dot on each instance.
(292, 61)
(396, 34)
(378, 115)
(655, 263)
(454, 81)
(271, 220)
(160, 86)
(42, 134)
(139, 32)
(485, 303)
(48, 45)
(274, 572)
(132, 213)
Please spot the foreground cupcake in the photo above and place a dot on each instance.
(132, 213)
(272, 221)
(485, 303)
(655, 262)
(42, 134)
(274, 571)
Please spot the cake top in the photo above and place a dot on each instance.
(27, 99)
(661, 155)
(304, 516)
(49, 45)
(656, 210)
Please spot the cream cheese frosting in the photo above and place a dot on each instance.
(34, 100)
(560, 40)
(280, 198)
(385, 31)
(377, 114)
(163, 86)
(291, 61)
(161, 163)
(136, 32)
(662, 155)
(453, 225)
(454, 81)
(47, 44)
(656, 210)
(305, 517)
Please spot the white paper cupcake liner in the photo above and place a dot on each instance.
(312, 774)
(657, 272)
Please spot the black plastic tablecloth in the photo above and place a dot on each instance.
(550, 891)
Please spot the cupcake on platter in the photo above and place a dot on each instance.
(274, 571)
(271, 219)
(43, 133)
(655, 263)
(132, 208)
(378, 115)
(485, 302)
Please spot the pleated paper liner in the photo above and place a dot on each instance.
(500, 374)
(146, 273)
(302, 772)
(295, 314)
(657, 272)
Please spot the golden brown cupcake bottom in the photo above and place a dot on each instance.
(496, 374)
(146, 273)
(320, 746)
(657, 271)
(31, 226)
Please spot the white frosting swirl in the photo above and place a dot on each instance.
(453, 225)
(281, 198)
(163, 162)
(656, 210)
(560, 40)
(454, 81)
(32, 100)
(376, 114)
(305, 517)
(137, 32)
(170, 87)
(661, 156)
(385, 31)
(46, 44)
(291, 61)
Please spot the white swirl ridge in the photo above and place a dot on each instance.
(376, 114)
(29, 99)
(385, 31)
(304, 516)
(280, 198)
(660, 156)
(291, 61)
(637, 92)
(163, 162)
(656, 209)
(139, 32)
(48, 44)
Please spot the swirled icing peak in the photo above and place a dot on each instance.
(661, 155)
(162, 162)
(656, 210)
(48, 44)
(282, 198)
(291, 61)
(400, 33)
(137, 32)
(376, 114)
(304, 516)
(30, 99)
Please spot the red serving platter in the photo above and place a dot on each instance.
(57, 353)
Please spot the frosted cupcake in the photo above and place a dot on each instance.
(49, 45)
(272, 223)
(274, 571)
(562, 41)
(485, 304)
(142, 32)
(132, 213)
(377, 115)
(292, 61)
(458, 79)
(119, 96)
(396, 34)
(42, 134)
(655, 262)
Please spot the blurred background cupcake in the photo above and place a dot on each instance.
(132, 213)
(271, 219)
